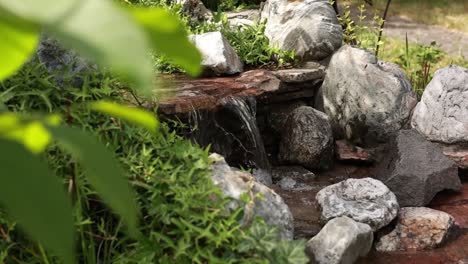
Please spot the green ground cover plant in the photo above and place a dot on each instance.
(183, 215)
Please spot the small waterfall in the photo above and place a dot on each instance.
(233, 132)
(245, 109)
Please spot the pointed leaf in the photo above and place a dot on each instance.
(102, 170)
(18, 40)
(131, 114)
(36, 199)
(169, 37)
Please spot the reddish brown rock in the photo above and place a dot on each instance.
(458, 154)
(456, 204)
(345, 151)
(186, 95)
(418, 228)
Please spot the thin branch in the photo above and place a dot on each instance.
(382, 27)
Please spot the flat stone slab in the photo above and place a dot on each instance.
(300, 75)
(182, 95)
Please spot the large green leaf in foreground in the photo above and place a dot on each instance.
(169, 37)
(107, 34)
(102, 171)
(45, 11)
(18, 40)
(36, 199)
(133, 115)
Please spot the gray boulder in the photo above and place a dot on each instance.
(307, 139)
(195, 9)
(219, 58)
(367, 100)
(416, 169)
(442, 114)
(364, 200)
(278, 115)
(418, 228)
(271, 207)
(341, 241)
(66, 65)
(308, 27)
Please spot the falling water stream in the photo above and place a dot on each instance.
(245, 110)
(234, 133)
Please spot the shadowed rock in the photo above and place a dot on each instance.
(416, 170)
(307, 139)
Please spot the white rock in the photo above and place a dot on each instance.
(442, 114)
(308, 27)
(271, 208)
(219, 58)
(364, 200)
(341, 241)
(367, 100)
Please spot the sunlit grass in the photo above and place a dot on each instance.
(451, 14)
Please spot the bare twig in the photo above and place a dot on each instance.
(382, 27)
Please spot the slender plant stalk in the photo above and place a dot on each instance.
(382, 26)
(45, 259)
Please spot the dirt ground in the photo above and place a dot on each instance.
(453, 42)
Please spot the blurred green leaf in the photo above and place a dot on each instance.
(18, 40)
(169, 37)
(102, 170)
(108, 35)
(32, 133)
(44, 11)
(131, 114)
(36, 199)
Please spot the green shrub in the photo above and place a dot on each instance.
(183, 214)
(228, 5)
(250, 43)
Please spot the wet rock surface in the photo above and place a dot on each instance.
(341, 241)
(272, 208)
(310, 27)
(418, 228)
(442, 114)
(367, 100)
(183, 96)
(307, 139)
(307, 221)
(345, 151)
(416, 170)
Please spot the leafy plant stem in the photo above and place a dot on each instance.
(387, 7)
